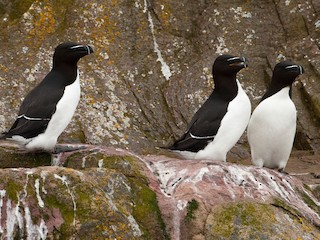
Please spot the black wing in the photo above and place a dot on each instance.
(203, 126)
(37, 108)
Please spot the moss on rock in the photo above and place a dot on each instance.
(192, 206)
(18, 8)
(11, 157)
(146, 211)
(131, 186)
(248, 220)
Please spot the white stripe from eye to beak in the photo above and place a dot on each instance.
(295, 66)
(33, 119)
(77, 46)
(198, 137)
(292, 66)
(235, 58)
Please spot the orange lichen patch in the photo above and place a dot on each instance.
(3, 68)
(100, 25)
(165, 14)
(90, 100)
(43, 23)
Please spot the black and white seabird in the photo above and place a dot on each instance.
(221, 120)
(48, 108)
(272, 126)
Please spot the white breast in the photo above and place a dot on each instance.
(271, 130)
(60, 119)
(232, 127)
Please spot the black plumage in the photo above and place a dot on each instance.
(207, 120)
(40, 103)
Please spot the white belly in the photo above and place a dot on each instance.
(232, 127)
(60, 119)
(271, 130)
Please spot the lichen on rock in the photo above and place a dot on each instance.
(150, 72)
(106, 199)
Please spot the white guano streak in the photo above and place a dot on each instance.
(165, 69)
(37, 187)
(18, 215)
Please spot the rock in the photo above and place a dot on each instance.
(255, 221)
(13, 157)
(231, 201)
(152, 64)
(103, 192)
(150, 72)
(98, 202)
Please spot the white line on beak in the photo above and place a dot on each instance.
(292, 66)
(88, 49)
(295, 66)
(77, 46)
(235, 58)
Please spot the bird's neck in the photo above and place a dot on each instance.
(226, 86)
(276, 86)
(68, 70)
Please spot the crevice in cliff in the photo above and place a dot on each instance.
(280, 20)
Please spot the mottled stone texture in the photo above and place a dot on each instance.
(152, 64)
(213, 200)
(93, 194)
(150, 72)
(108, 193)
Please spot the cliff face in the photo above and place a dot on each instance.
(150, 72)
(152, 64)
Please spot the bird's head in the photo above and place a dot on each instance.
(287, 72)
(70, 52)
(228, 65)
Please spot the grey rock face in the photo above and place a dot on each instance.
(150, 72)
(152, 62)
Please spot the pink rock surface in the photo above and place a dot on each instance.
(177, 182)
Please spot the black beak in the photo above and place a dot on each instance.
(238, 62)
(301, 69)
(89, 49)
(297, 68)
(85, 49)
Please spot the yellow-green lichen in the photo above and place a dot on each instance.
(15, 158)
(43, 22)
(18, 8)
(12, 190)
(247, 219)
(308, 200)
(166, 14)
(277, 202)
(146, 211)
(124, 170)
(128, 165)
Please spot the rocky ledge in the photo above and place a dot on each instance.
(109, 193)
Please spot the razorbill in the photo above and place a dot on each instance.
(272, 126)
(48, 108)
(221, 120)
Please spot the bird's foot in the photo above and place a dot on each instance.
(282, 171)
(67, 148)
